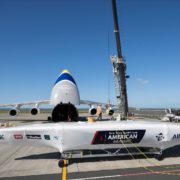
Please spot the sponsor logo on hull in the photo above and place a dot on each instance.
(56, 137)
(176, 136)
(118, 137)
(47, 137)
(1, 136)
(18, 136)
(160, 137)
(33, 136)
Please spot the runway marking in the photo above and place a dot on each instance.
(130, 174)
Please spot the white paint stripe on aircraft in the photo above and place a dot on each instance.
(98, 177)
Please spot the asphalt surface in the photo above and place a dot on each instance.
(164, 173)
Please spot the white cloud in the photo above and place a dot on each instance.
(143, 81)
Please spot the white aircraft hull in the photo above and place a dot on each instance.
(98, 135)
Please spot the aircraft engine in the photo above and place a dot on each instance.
(14, 112)
(110, 111)
(92, 111)
(64, 113)
(35, 111)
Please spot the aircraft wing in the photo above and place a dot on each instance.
(86, 102)
(97, 103)
(25, 103)
(92, 102)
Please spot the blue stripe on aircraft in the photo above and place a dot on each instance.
(65, 76)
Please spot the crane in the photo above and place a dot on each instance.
(119, 70)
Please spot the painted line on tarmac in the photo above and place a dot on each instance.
(64, 170)
(153, 172)
(98, 177)
(130, 174)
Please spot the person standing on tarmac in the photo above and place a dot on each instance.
(99, 112)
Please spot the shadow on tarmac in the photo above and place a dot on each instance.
(171, 152)
(52, 155)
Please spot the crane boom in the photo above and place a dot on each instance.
(119, 68)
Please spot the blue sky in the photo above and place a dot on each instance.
(40, 38)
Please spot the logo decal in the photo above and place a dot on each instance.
(47, 137)
(1, 137)
(176, 136)
(18, 136)
(29, 136)
(56, 137)
(160, 137)
(118, 137)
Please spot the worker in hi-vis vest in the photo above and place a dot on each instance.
(99, 112)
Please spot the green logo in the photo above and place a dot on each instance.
(47, 137)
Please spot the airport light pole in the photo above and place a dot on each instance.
(119, 68)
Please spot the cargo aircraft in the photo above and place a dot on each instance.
(64, 98)
(171, 115)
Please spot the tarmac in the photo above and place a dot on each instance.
(42, 163)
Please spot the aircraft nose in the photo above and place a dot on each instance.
(65, 71)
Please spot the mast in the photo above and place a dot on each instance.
(119, 68)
